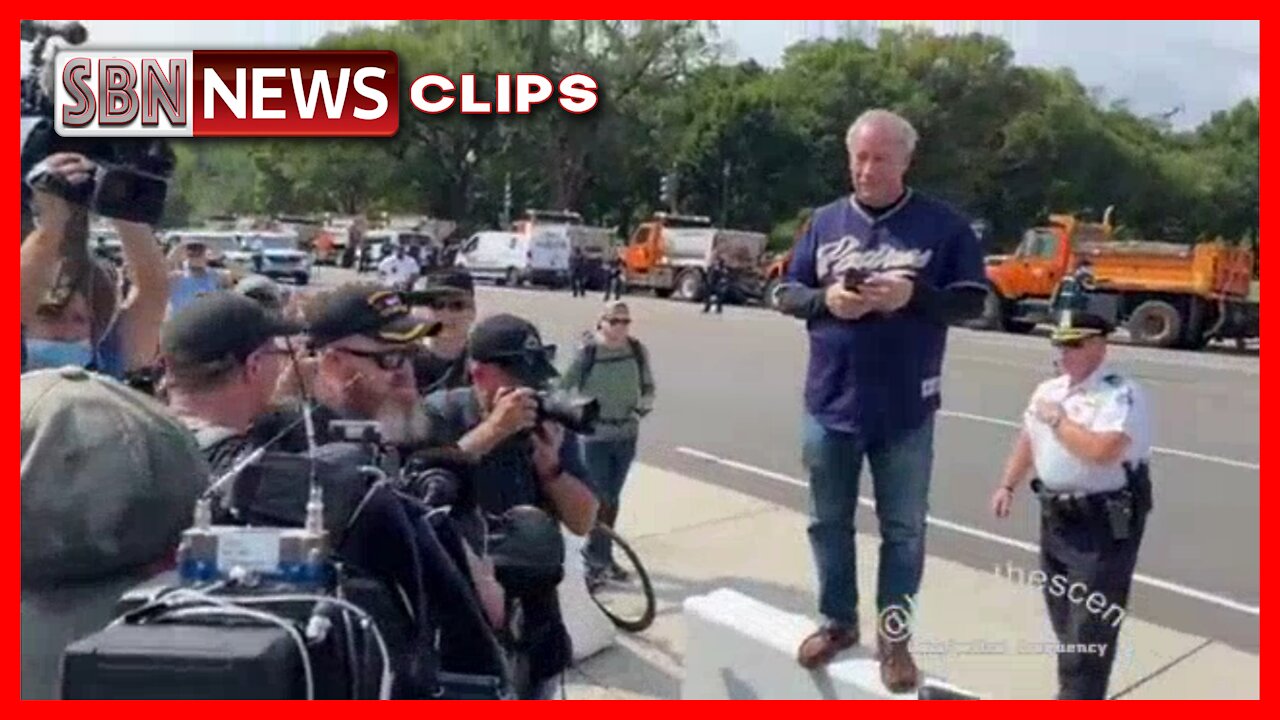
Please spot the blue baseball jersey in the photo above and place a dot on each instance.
(881, 375)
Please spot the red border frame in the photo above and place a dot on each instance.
(238, 9)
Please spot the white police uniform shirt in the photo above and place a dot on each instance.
(398, 271)
(1106, 401)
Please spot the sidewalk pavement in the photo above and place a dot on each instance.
(973, 628)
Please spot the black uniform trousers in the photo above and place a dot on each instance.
(715, 296)
(578, 281)
(717, 288)
(1078, 548)
(613, 287)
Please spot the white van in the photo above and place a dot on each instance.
(549, 251)
(514, 259)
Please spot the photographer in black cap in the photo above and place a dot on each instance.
(520, 460)
(449, 298)
(223, 355)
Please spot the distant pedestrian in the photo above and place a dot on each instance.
(717, 286)
(613, 367)
(398, 271)
(578, 273)
(613, 286)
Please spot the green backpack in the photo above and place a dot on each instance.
(638, 351)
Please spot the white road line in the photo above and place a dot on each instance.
(1161, 450)
(981, 534)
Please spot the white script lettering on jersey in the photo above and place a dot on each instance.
(848, 254)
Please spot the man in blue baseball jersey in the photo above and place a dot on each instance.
(878, 277)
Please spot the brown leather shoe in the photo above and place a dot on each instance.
(898, 670)
(825, 643)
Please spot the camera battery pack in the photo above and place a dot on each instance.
(183, 662)
(283, 554)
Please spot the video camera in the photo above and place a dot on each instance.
(132, 177)
(258, 612)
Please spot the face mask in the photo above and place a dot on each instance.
(56, 353)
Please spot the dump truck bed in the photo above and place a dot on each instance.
(1209, 270)
(701, 246)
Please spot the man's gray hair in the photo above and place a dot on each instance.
(886, 118)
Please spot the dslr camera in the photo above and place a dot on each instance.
(576, 414)
(132, 177)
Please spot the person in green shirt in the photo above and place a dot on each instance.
(612, 367)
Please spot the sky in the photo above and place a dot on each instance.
(1156, 65)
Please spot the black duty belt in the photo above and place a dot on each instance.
(1120, 511)
(1074, 504)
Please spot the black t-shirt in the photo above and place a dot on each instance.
(505, 477)
(433, 372)
(222, 447)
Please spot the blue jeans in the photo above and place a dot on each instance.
(900, 470)
(607, 463)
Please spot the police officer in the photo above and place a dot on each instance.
(1086, 434)
(614, 282)
(578, 272)
(1071, 292)
(717, 286)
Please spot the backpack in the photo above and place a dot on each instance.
(637, 351)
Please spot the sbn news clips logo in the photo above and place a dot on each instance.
(276, 93)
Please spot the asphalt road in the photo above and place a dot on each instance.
(728, 411)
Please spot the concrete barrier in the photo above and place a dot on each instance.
(738, 648)
(589, 628)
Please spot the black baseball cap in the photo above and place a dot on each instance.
(1076, 326)
(219, 326)
(514, 344)
(368, 310)
(262, 290)
(442, 284)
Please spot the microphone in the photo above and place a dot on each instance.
(73, 32)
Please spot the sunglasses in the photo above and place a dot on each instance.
(385, 359)
(454, 305)
(619, 321)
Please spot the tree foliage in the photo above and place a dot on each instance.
(749, 145)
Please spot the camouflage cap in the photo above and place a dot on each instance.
(108, 478)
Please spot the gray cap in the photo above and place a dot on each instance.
(108, 478)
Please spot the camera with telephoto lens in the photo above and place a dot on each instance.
(576, 414)
(131, 179)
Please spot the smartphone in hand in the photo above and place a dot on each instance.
(854, 278)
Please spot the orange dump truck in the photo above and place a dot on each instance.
(672, 254)
(1165, 294)
(774, 273)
